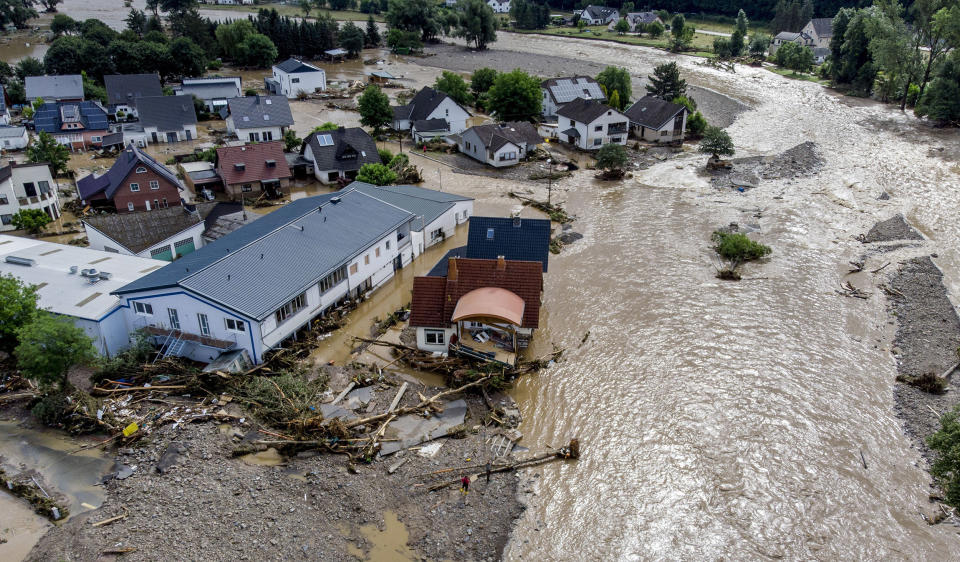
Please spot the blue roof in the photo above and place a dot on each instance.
(440, 268)
(92, 116)
(429, 209)
(259, 267)
(514, 239)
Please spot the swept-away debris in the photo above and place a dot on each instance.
(848, 290)
(555, 212)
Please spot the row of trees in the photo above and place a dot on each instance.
(414, 22)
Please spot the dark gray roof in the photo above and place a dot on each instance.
(652, 112)
(494, 136)
(401, 112)
(260, 111)
(515, 239)
(422, 105)
(431, 125)
(599, 12)
(6, 131)
(823, 26)
(292, 65)
(110, 181)
(440, 268)
(584, 111)
(572, 132)
(218, 87)
(259, 267)
(565, 90)
(167, 113)
(138, 231)
(127, 88)
(344, 149)
(642, 17)
(787, 35)
(427, 209)
(112, 139)
(433, 195)
(50, 88)
(49, 116)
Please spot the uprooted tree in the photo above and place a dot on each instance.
(946, 469)
(733, 249)
(611, 158)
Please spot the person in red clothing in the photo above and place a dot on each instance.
(465, 484)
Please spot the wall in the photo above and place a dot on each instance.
(15, 192)
(455, 115)
(422, 340)
(123, 196)
(549, 108)
(153, 134)
(380, 268)
(588, 134)
(235, 190)
(244, 134)
(655, 135)
(309, 82)
(15, 143)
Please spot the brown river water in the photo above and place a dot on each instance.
(724, 420)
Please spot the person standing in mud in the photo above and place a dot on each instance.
(464, 484)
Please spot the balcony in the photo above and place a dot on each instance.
(616, 128)
(195, 338)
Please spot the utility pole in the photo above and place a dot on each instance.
(549, 179)
(439, 175)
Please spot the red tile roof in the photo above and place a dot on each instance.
(254, 158)
(435, 298)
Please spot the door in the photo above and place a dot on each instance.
(147, 203)
(398, 263)
(171, 137)
(189, 134)
(154, 136)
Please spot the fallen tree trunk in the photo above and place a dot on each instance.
(571, 452)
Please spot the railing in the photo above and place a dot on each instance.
(205, 341)
(616, 129)
(467, 351)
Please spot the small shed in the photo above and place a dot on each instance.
(381, 77)
(336, 54)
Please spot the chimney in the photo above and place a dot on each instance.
(452, 270)
(501, 264)
(516, 221)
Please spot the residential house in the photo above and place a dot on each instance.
(426, 130)
(135, 182)
(123, 91)
(292, 76)
(789, 37)
(820, 54)
(27, 186)
(255, 287)
(214, 91)
(258, 118)
(430, 104)
(338, 154)
(590, 125)
(655, 120)
(13, 138)
(599, 15)
(4, 110)
(482, 309)
(438, 213)
(253, 169)
(558, 92)
(199, 176)
(67, 87)
(78, 125)
(77, 283)
(820, 32)
(499, 6)
(500, 145)
(163, 234)
(514, 239)
(168, 118)
(638, 21)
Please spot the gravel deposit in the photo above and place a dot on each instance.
(747, 173)
(894, 228)
(926, 340)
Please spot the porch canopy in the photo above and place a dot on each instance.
(490, 302)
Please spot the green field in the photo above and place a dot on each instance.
(295, 11)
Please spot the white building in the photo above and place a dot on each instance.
(292, 76)
(259, 118)
(499, 6)
(558, 92)
(162, 234)
(599, 15)
(168, 118)
(500, 145)
(655, 120)
(431, 104)
(214, 91)
(590, 125)
(255, 287)
(13, 138)
(77, 283)
(27, 186)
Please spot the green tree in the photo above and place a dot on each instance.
(696, 125)
(352, 38)
(614, 100)
(28, 66)
(717, 142)
(739, 34)
(65, 55)
(374, 106)
(733, 249)
(136, 21)
(655, 30)
(855, 67)
(476, 23)
(48, 346)
(482, 80)
(18, 307)
(946, 468)
(616, 79)
(420, 16)
(377, 174)
(941, 100)
(938, 32)
(31, 220)
(327, 126)
(454, 86)
(305, 7)
(515, 96)
(372, 36)
(50, 6)
(682, 33)
(291, 142)
(45, 148)
(722, 48)
(385, 156)
(621, 27)
(257, 51)
(758, 45)
(798, 58)
(189, 59)
(665, 82)
(63, 24)
(231, 35)
(612, 157)
(397, 39)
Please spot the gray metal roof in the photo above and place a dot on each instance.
(8, 132)
(167, 113)
(431, 125)
(260, 111)
(293, 65)
(422, 105)
(138, 231)
(584, 111)
(565, 90)
(128, 88)
(432, 195)
(495, 135)
(50, 88)
(212, 88)
(259, 267)
(427, 209)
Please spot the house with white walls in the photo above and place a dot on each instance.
(213, 91)
(13, 138)
(589, 125)
(77, 283)
(163, 234)
(431, 104)
(499, 6)
(258, 118)
(27, 186)
(168, 118)
(656, 120)
(500, 144)
(292, 76)
(257, 286)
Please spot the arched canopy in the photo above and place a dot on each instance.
(490, 302)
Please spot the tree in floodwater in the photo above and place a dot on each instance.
(734, 249)
(946, 469)
(716, 142)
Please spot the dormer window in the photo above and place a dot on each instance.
(271, 163)
(141, 170)
(239, 166)
(266, 117)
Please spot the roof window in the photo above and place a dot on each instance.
(489, 234)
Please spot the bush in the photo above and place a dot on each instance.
(377, 174)
(215, 64)
(611, 157)
(52, 409)
(385, 156)
(946, 469)
(737, 248)
(282, 399)
(696, 125)
(31, 220)
(913, 94)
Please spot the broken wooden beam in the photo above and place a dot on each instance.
(396, 399)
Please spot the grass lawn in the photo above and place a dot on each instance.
(791, 74)
(702, 44)
(295, 11)
(708, 25)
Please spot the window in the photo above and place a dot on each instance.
(465, 214)
(111, 250)
(204, 324)
(129, 206)
(154, 184)
(353, 269)
(235, 325)
(295, 80)
(438, 233)
(159, 250)
(6, 219)
(4, 200)
(254, 137)
(597, 142)
(291, 308)
(174, 318)
(30, 189)
(377, 252)
(165, 203)
(332, 280)
(141, 170)
(433, 337)
(143, 308)
(44, 187)
(572, 124)
(96, 139)
(366, 259)
(388, 244)
(598, 128)
(134, 187)
(489, 234)
(508, 156)
(267, 136)
(246, 187)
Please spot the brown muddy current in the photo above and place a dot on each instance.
(726, 420)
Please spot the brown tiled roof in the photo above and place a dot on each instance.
(254, 158)
(435, 298)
